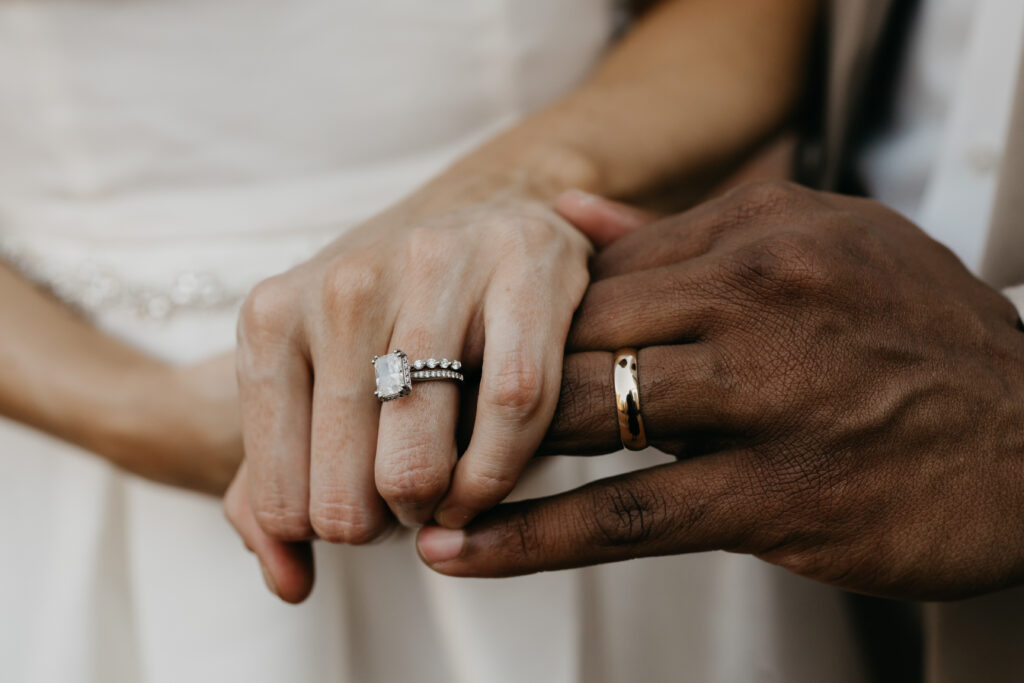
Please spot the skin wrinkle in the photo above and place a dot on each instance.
(683, 51)
(339, 521)
(626, 525)
(875, 411)
(523, 531)
(614, 311)
(576, 427)
(414, 479)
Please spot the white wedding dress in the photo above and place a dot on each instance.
(157, 159)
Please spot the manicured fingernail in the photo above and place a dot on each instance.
(269, 580)
(454, 517)
(437, 544)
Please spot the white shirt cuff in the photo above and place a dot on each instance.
(1016, 295)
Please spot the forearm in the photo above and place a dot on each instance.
(694, 84)
(63, 376)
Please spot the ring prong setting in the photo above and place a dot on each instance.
(393, 376)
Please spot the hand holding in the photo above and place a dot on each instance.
(493, 284)
(845, 396)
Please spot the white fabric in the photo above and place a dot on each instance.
(232, 137)
(938, 162)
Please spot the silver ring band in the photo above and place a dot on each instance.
(428, 375)
(394, 374)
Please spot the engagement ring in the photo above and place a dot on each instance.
(395, 374)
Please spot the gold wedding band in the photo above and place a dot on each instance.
(627, 400)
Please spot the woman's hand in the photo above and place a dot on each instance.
(179, 425)
(493, 284)
(67, 378)
(494, 281)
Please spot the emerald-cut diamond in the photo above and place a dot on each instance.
(392, 373)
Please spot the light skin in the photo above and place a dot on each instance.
(844, 398)
(178, 425)
(477, 266)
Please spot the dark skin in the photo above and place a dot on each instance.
(321, 461)
(845, 399)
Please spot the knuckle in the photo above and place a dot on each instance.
(582, 404)
(521, 233)
(411, 481)
(427, 248)
(791, 260)
(858, 238)
(352, 283)
(283, 522)
(266, 312)
(489, 483)
(526, 534)
(345, 522)
(520, 534)
(853, 228)
(535, 230)
(762, 198)
(625, 514)
(516, 388)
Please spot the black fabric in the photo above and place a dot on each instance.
(872, 107)
(877, 106)
(890, 637)
(812, 112)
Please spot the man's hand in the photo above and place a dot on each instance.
(846, 399)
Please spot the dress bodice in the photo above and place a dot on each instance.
(166, 155)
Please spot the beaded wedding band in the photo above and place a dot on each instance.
(395, 374)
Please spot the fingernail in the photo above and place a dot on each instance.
(269, 580)
(454, 517)
(437, 544)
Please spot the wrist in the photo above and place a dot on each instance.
(128, 416)
(539, 171)
(177, 425)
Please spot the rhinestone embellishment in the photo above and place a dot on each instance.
(90, 286)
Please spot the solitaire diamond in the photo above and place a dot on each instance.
(392, 373)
